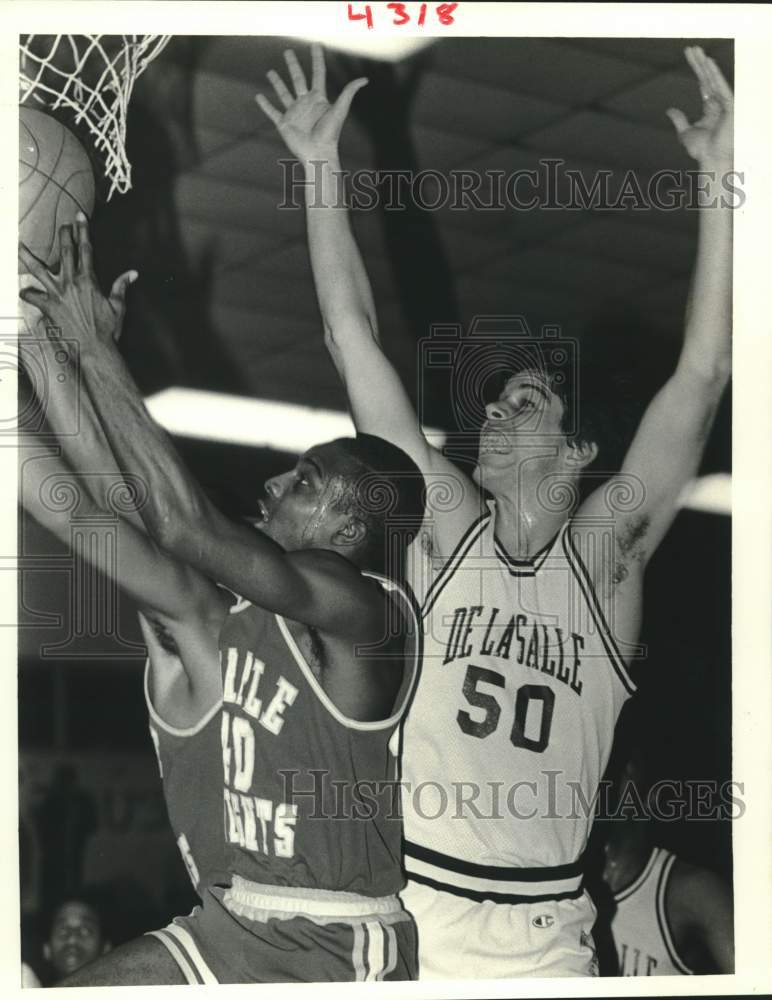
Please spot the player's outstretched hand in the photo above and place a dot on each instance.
(71, 300)
(708, 140)
(309, 124)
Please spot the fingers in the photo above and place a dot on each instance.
(34, 266)
(279, 86)
(679, 119)
(341, 107)
(697, 60)
(269, 109)
(67, 253)
(34, 296)
(721, 88)
(710, 78)
(120, 286)
(318, 70)
(85, 251)
(296, 73)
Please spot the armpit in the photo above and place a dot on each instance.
(164, 636)
(629, 547)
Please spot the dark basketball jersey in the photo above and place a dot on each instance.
(189, 763)
(309, 796)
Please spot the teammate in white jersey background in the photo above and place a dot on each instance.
(532, 603)
(660, 914)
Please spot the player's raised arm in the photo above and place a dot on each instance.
(668, 446)
(317, 588)
(69, 412)
(176, 592)
(311, 126)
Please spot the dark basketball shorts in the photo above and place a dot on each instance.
(252, 933)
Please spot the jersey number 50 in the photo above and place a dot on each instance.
(526, 694)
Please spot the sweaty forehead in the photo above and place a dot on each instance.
(526, 377)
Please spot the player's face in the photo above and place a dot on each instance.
(299, 508)
(76, 937)
(526, 411)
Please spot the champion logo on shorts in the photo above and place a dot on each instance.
(543, 920)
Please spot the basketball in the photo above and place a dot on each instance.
(55, 182)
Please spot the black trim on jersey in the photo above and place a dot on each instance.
(661, 911)
(493, 897)
(451, 565)
(523, 567)
(607, 638)
(500, 873)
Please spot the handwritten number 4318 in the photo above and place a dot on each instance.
(442, 11)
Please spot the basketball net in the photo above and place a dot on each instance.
(78, 72)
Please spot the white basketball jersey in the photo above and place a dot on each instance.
(642, 937)
(512, 722)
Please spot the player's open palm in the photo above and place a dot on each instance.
(309, 125)
(710, 139)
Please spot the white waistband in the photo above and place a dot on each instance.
(254, 900)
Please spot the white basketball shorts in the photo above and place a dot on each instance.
(459, 938)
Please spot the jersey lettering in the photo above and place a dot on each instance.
(487, 703)
(254, 823)
(272, 719)
(536, 645)
(259, 825)
(187, 857)
(240, 687)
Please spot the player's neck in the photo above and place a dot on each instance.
(524, 523)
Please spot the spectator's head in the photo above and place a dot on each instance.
(76, 936)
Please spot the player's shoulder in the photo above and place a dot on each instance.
(694, 881)
(693, 893)
(329, 564)
(343, 582)
(454, 505)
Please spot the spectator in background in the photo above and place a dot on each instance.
(67, 817)
(76, 937)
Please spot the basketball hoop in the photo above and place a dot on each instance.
(93, 75)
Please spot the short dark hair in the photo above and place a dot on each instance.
(599, 405)
(387, 492)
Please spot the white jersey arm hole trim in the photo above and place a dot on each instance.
(175, 730)
(587, 589)
(322, 695)
(639, 879)
(664, 926)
